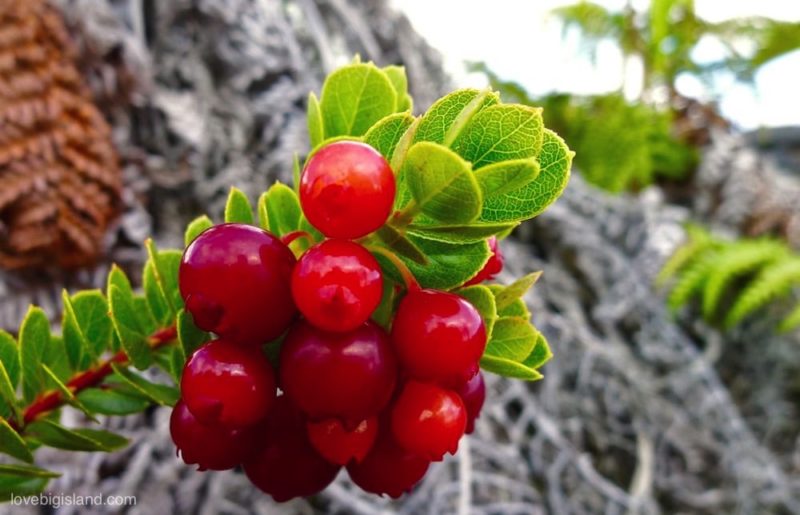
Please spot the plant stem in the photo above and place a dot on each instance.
(408, 277)
(290, 237)
(53, 400)
(401, 219)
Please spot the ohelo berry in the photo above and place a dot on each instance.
(210, 447)
(337, 285)
(349, 376)
(347, 190)
(228, 384)
(285, 465)
(388, 469)
(428, 420)
(438, 336)
(473, 393)
(235, 281)
(492, 267)
(341, 445)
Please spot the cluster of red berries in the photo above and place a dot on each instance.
(382, 404)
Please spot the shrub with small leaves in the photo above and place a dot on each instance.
(324, 290)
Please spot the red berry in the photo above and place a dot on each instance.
(339, 445)
(228, 384)
(286, 465)
(234, 279)
(337, 284)
(492, 267)
(349, 376)
(473, 393)
(428, 420)
(438, 336)
(210, 447)
(388, 469)
(347, 190)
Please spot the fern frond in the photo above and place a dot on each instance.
(699, 241)
(735, 260)
(791, 321)
(692, 279)
(771, 283)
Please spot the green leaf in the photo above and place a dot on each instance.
(8, 393)
(195, 227)
(791, 321)
(512, 338)
(261, 209)
(397, 76)
(166, 264)
(297, 171)
(86, 327)
(501, 178)
(66, 392)
(117, 277)
(189, 335)
(516, 290)
(316, 131)
(401, 245)
(464, 233)
(158, 393)
(516, 309)
(382, 315)
(482, 299)
(386, 134)
(13, 444)
(441, 116)
(110, 441)
(156, 303)
(51, 434)
(508, 368)
(26, 471)
(450, 265)
(555, 161)
(128, 327)
(9, 356)
(501, 133)
(354, 98)
(11, 486)
(283, 209)
(237, 208)
(540, 354)
(442, 183)
(177, 362)
(111, 402)
(34, 340)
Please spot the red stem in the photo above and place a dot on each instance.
(408, 277)
(289, 237)
(53, 400)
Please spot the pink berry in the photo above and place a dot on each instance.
(235, 281)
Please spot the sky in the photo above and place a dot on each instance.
(520, 42)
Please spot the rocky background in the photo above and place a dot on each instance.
(639, 412)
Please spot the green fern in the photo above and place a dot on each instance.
(735, 261)
(791, 321)
(707, 267)
(773, 282)
(692, 279)
(699, 241)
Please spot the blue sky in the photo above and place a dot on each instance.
(518, 40)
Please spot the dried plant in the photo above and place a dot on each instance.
(59, 177)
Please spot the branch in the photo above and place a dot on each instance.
(54, 400)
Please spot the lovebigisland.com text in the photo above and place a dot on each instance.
(57, 500)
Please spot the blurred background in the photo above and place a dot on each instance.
(671, 286)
